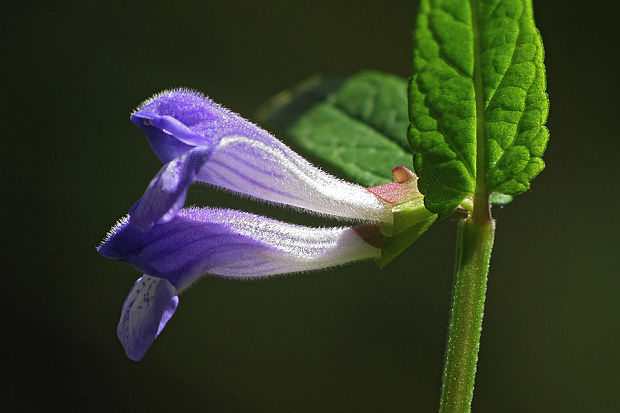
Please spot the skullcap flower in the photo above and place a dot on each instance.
(201, 141)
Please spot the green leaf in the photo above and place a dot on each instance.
(356, 125)
(477, 100)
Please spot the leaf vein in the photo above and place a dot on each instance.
(511, 64)
(448, 139)
(444, 59)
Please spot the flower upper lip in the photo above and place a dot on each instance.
(168, 125)
(203, 142)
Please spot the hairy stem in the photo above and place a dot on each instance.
(473, 253)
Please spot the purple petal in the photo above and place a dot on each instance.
(230, 243)
(148, 307)
(176, 120)
(167, 191)
(246, 158)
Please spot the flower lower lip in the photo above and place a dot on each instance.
(230, 243)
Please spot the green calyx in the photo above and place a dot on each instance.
(410, 217)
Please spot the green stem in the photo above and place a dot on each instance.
(473, 253)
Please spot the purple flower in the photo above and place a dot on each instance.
(200, 141)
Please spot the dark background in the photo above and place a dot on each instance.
(353, 339)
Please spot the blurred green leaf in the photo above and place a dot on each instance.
(357, 125)
(500, 199)
(477, 100)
